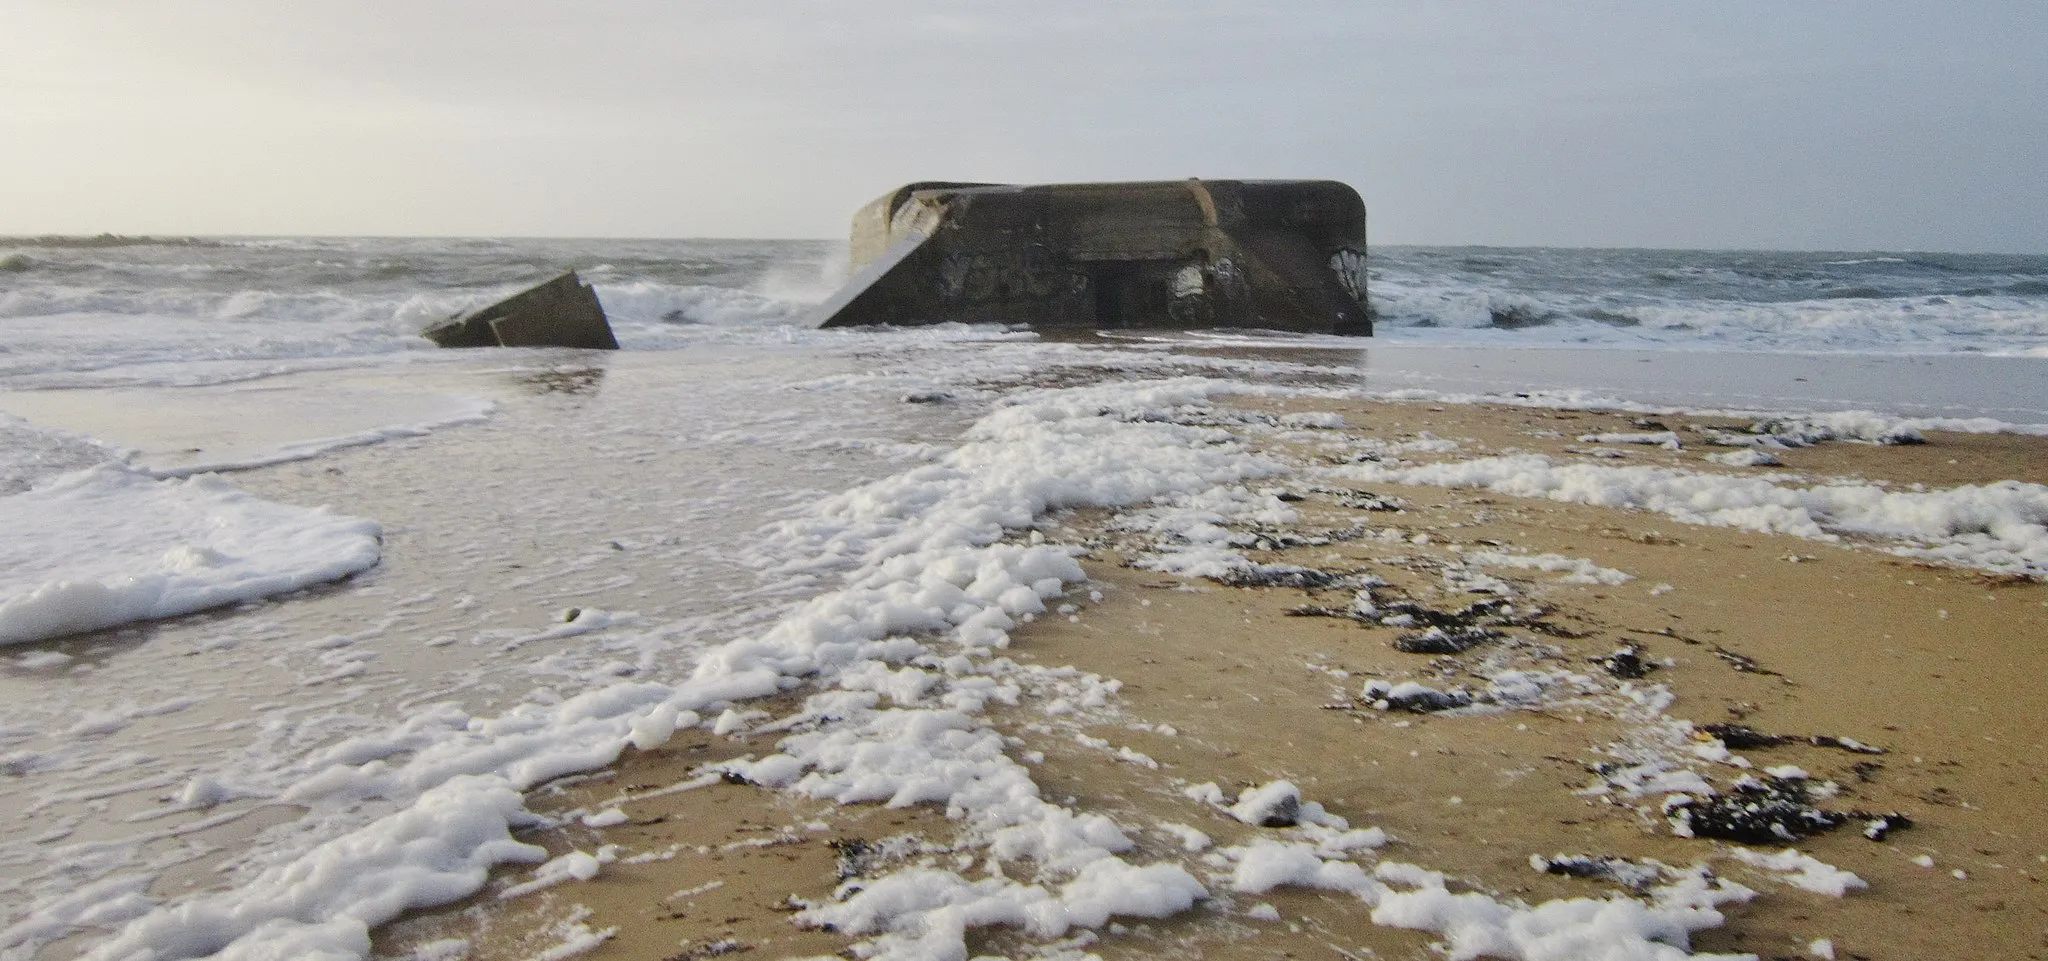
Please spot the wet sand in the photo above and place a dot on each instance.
(1937, 667)
(491, 531)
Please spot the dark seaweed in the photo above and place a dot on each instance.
(1496, 611)
(856, 856)
(1771, 811)
(1423, 701)
(1316, 610)
(1877, 826)
(1626, 663)
(1742, 737)
(1368, 501)
(1438, 640)
(1742, 662)
(1305, 578)
(1626, 873)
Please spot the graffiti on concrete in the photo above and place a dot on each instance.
(1230, 281)
(1350, 267)
(1007, 274)
(1189, 303)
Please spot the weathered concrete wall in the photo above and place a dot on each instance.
(1286, 255)
(564, 312)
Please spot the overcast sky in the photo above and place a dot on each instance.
(1862, 124)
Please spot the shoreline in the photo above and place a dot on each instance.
(1252, 694)
(778, 843)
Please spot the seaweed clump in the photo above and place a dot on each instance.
(1627, 663)
(1445, 640)
(1628, 874)
(1278, 575)
(1741, 737)
(1773, 810)
(1413, 698)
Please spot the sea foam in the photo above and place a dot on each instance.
(109, 545)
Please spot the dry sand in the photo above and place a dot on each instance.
(1941, 668)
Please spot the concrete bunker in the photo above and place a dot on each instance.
(564, 312)
(1278, 254)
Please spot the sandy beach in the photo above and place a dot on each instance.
(1868, 683)
(1043, 650)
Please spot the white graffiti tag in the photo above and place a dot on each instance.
(1350, 267)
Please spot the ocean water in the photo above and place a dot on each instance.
(106, 311)
(429, 579)
(1909, 303)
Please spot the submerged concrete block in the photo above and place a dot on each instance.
(564, 312)
(1282, 254)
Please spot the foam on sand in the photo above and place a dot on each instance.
(1996, 527)
(109, 545)
(929, 593)
(922, 578)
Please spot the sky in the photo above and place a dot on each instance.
(1853, 125)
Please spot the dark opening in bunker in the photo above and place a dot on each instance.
(1130, 293)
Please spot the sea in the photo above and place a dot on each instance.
(278, 575)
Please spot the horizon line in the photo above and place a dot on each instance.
(147, 238)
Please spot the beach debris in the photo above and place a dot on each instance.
(1277, 575)
(1781, 432)
(1847, 425)
(1742, 662)
(564, 312)
(1320, 610)
(856, 856)
(1628, 874)
(1276, 804)
(1183, 254)
(1460, 630)
(1877, 826)
(1413, 697)
(1740, 737)
(1849, 744)
(1663, 438)
(1412, 614)
(1362, 609)
(1627, 663)
(1369, 501)
(1445, 640)
(927, 397)
(1767, 810)
(859, 857)
(694, 951)
(1274, 539)
(1746, 457)
(1738, 437)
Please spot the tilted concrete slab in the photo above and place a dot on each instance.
(1278, 254)
(564, 312)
